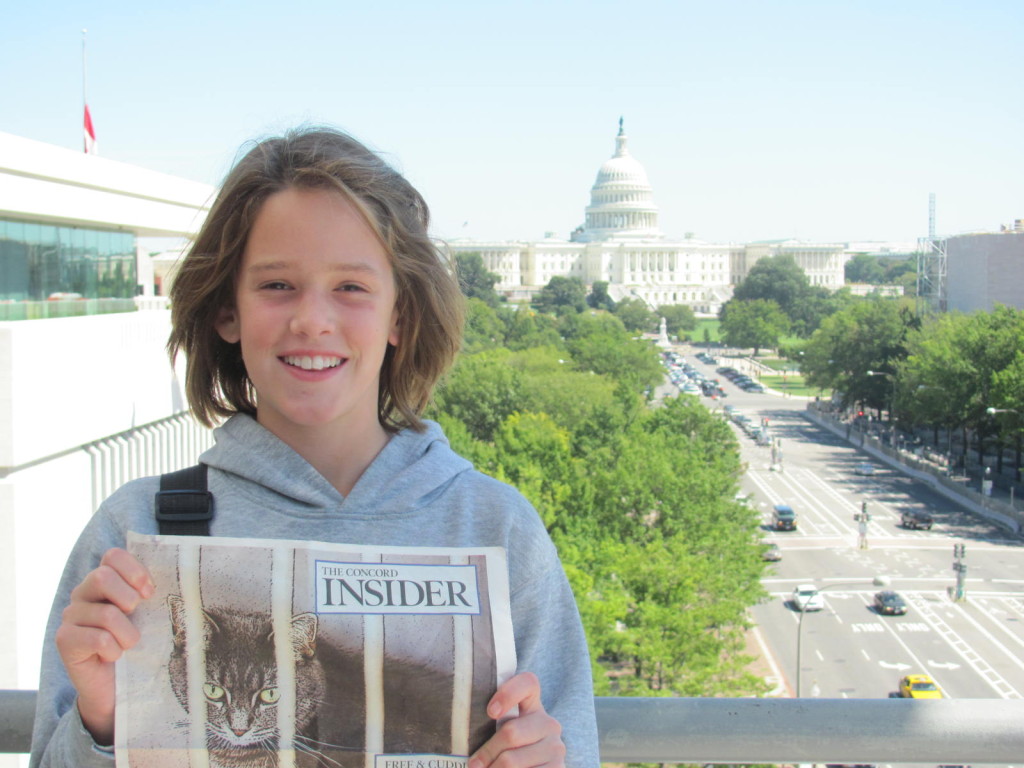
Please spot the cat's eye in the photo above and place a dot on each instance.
(270, 695)
(213, 692)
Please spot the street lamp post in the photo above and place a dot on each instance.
(949, 430)
(878, 581)
(892, 403)
(993, 412)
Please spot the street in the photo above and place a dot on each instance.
(972, 648)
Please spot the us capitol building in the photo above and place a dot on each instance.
(620, 243)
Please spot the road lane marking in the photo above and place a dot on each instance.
(898, 666)
(991, 614)
(780, 688)
(966, 652)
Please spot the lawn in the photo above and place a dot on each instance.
(709, 324)
(793, 384)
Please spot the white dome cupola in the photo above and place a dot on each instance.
(621, 201)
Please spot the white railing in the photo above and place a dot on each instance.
(745, 731)
(152, 449)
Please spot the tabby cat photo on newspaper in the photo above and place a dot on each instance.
(309, 655)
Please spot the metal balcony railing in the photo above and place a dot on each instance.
(745, 731)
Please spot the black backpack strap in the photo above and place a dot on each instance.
(183, 505)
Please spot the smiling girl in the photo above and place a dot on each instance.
(316, 316)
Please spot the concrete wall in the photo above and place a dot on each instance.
(85, 404)
(68, 381)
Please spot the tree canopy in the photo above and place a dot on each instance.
(474, 279)
(598, 297)
(562, 294)
(636, 316)
(679, 318)
(867, 336)
(780, 279)
(754, 323)
(774, 278)
(639, 500)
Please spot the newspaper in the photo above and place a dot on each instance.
(312, 654)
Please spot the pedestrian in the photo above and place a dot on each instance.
(315, 316)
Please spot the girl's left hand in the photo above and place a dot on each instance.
(528, 740)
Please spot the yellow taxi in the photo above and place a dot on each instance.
(919, 687)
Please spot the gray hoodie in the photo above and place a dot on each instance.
(417, 492)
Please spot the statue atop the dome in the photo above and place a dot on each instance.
(621, 129)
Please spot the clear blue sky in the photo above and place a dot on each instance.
(755, 120)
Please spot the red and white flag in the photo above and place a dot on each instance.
(91, 147)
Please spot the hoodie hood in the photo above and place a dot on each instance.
(412, 468)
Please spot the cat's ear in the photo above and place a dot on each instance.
(177, 610)
(178, 621)
(304, 635)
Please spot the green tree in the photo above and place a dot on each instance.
(635, 315)
(869, 335)
(864, 268)
(632, 363)
(754, 323)
(598, 297)
(774, 278)
(898, 271)
(534, 454)
(551, 383)
(562, 294)
(972, 360)
(780, 279)
(660, 495)
(1008, 397)
(474, 279)
(679, 318)
(481, 391)
(484, 327)
(815, 305)
(527, 328)
(639, 501)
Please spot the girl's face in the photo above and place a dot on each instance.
(314, 312)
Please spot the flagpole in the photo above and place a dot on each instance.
(89, 133)
(85, 98)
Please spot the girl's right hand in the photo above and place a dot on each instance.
(95, 631)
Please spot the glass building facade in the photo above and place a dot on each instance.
(38, 261)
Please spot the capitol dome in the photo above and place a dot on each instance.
(621, 201)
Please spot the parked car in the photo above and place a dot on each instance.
(772, 554)
(916, 519)
(806, 597)
(889, 603)
(865, 469)
(783, 518)
(919, 687)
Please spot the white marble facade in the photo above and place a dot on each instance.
(620, 243)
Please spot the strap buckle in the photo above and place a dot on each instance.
(184, 506)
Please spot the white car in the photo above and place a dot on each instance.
(806, 597)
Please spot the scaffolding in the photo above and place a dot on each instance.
(931, 268)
